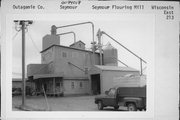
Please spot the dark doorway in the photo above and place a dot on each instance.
(95, 84)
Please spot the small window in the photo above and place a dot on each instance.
(80, 85)
(86, 70)
(72, 85)
(64, 54)
(112, 92)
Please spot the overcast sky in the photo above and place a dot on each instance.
(132, 31)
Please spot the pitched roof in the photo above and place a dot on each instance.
(115, 68)
(68, 48)
(37, 76)
(18, 79)
(77, 42)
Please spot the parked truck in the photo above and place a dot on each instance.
(134, 98)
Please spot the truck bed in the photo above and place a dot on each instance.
(132, 91)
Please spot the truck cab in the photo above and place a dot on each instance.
(132, 98)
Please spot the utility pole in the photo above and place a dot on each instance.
(22, 26)
(23, 64)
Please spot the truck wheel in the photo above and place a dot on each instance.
(131, 107)
(100, 105)
(116, 107)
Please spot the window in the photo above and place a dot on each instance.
(112, 92)
(80, 85)
(64, 54)
(86, 70)
(72, 85)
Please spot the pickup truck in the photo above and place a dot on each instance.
(134, 98)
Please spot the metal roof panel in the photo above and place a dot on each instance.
(115, 68)
(37, 76)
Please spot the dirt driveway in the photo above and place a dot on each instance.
(69, 103)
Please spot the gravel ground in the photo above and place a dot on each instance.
(67, 103)
(78, 103)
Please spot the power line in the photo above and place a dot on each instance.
(33, 42)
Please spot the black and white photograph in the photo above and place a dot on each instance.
(81, 65)
(74, 59)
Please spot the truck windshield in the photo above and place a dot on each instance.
(112, 92)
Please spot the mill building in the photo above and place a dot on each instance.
(74, 69)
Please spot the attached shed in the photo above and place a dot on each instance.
(102, 77)
(51, 83)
